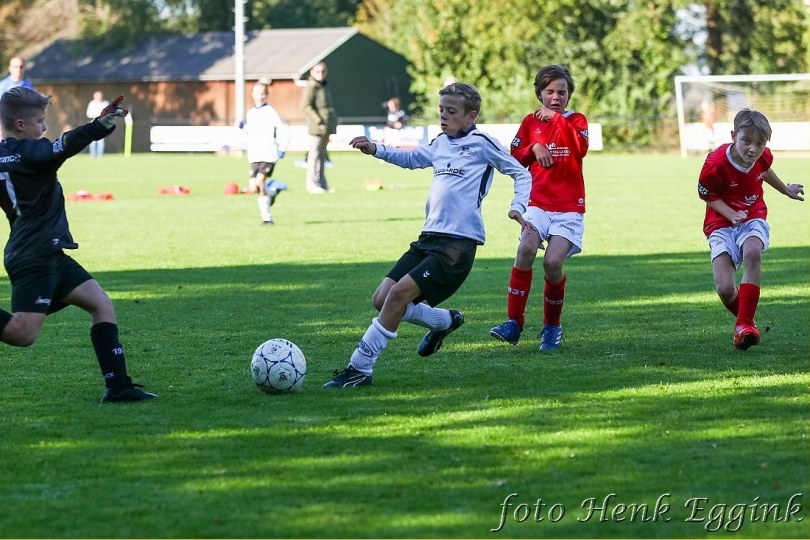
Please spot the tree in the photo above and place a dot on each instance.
(300, 13)
(23, 20)
(744, 36)
(623, 54)
(119, 23)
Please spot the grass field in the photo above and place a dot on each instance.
(648, 400)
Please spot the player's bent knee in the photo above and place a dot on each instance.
(527, 253)
(20, 333)
(552, 267)
(377, 301)
(752, 257)
(726, 292)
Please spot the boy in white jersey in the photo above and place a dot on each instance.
(731, 186)
(436, 265)
(268, 137)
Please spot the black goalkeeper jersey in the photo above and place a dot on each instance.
(31, 195)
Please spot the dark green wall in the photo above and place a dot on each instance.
(362, 67)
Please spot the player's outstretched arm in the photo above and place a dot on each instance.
(794, 191)
(364, 145)
(111, 112)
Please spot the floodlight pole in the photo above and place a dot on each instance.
(239, 60)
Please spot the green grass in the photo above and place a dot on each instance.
(647, 398)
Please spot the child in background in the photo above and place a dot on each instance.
(43, 278)
(268, 137)
(551, 142)
(731, 185)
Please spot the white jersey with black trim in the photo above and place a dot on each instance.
(463, 168)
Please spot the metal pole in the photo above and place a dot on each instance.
(239, 60)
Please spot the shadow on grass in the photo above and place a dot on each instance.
(647, 397)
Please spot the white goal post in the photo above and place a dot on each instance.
(707, 104)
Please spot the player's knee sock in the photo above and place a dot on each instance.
(520, 283)
(110, 353)
(734, 305)
(748, 298)
(553, 298)
(371, 345)
(264, 207)
(5, 318)
(429, 317)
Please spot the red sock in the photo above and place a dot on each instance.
(748, 298)
(553, 298)
(734, 306)
(520, 283)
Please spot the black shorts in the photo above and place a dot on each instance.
(438, 264)
(42, 287)
(262, 167)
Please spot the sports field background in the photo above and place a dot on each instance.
(647, 399)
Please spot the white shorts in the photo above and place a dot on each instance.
(569, 225)
(730, 239)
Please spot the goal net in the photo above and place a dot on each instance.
(707, 105)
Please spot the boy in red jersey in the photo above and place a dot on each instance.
(731, 184)
(551, 143)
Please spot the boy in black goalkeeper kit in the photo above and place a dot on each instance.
(43, 278)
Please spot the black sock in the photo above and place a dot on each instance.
(5, 318)
(110, 354)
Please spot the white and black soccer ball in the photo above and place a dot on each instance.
(278, 366)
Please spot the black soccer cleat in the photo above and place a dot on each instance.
(128, 393)
(432, 341)
(349, 377)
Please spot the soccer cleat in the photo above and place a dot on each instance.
(130, 392)
(432, 341)
(508, 332)
(745, 336)
(550, 337)
(268, 222)
(349, 377)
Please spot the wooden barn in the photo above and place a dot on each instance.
(190, 79)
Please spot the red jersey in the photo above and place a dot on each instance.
(560, 188)
(741, 189)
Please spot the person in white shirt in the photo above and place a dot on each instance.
(94, 108)
(464, 161)
(268, 136)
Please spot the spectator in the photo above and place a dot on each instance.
(708, 116)
(16, 76)
(316, 103)
(94, 108)
(396, 117)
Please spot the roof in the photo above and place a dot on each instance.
(286, 53)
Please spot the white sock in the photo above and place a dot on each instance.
(264, 207)
(371, 345)
(430, 317)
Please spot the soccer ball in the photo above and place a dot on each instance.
(278, 366)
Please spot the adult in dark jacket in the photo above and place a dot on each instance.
(316, 103)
